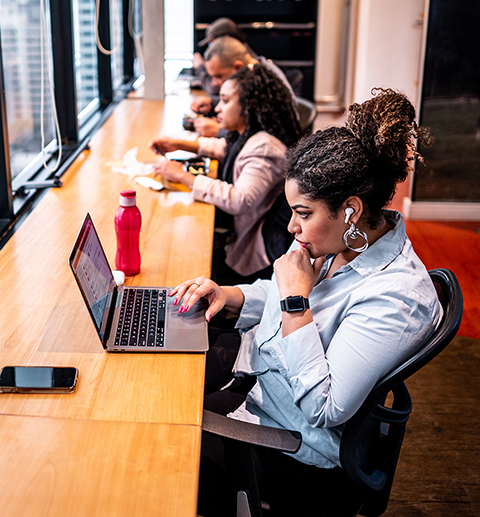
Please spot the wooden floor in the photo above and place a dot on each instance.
(438, 474)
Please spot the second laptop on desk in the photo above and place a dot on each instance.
(132, 319)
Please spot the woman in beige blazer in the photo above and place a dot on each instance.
(258, 111)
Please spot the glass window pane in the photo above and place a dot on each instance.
(21, 52)
(116, 35)
(178, 40)
(86, 70)
(451, 104)
(178, 29)
(135, 30)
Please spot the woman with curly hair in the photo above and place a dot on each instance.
(349, 302)
(257, 109)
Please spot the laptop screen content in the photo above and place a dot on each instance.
(93, 274)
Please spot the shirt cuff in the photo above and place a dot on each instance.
(300, 358)
(200, 187)
(255, 297)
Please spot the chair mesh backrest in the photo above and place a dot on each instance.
(363, 454)
(307, 111)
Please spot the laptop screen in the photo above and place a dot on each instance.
(93, 274)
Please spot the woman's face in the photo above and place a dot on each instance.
(313, 225)
(229, 111)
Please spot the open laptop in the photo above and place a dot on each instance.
(132, 319)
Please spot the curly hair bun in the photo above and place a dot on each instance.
(385, 125)
(367, 157)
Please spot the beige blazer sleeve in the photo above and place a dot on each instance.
(258, 169)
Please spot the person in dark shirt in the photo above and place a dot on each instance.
(224, 57)
(217, 29)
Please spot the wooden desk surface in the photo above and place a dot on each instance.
(62, 467)
(43, 321)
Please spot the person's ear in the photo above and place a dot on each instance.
(353, 207)
(237, 65)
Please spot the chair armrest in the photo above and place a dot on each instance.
(400, 410)
(279, 439)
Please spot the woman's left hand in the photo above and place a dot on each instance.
(295, 273)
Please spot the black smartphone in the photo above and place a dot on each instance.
(38, 379)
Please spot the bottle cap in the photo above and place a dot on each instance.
(128, 198)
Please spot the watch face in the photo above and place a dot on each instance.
(295, 303)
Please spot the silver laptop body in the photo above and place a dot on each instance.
(159, 328)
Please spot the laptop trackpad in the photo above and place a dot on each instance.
(194, 318)
(186, 331)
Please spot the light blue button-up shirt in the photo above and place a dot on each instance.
(368, 318)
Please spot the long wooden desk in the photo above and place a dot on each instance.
(127, 442)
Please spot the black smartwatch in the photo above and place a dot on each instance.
(294, 304)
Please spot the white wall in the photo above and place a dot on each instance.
(385, 47)
(389, 47)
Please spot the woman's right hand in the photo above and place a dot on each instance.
(205, 126)
(164, 144)
(188, 293)
(295, 274)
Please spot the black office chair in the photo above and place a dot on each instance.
(295, 78)
(308, 112)
(371, 440)
(276, 237)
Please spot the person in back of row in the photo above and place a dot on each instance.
(257, 110)
(223, 58)
(218, 28)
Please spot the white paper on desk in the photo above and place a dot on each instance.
(147, 182)
(130, 166)
(180, 155)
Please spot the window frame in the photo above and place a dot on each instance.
(18, 197)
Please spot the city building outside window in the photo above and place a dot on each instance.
(21, 49)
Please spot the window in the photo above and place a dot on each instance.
(86, 75)
(84, 82)
(450, 104)
(178, 39)
(20, 30)
(116, 17)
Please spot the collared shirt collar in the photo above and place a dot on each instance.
(383, 251)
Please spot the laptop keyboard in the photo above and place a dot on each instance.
(142, 318)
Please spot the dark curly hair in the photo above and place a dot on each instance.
(267, 104)
(366, 158)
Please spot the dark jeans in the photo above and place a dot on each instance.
(290, 487)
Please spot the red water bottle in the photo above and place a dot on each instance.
(128, 221)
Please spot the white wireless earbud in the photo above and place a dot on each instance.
(348, 212)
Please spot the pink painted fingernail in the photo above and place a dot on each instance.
(180, 310)
(175, 302)
(186, 308)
